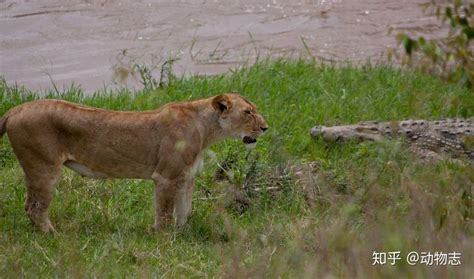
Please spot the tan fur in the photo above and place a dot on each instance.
(3, 126)
(164, 145)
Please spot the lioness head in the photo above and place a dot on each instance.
(239, 118)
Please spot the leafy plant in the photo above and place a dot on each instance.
(146, 78)
(450, 57)
(131, 66)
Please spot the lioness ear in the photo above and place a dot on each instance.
(221, 103)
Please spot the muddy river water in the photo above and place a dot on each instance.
(83, 41)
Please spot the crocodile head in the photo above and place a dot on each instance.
(358, 132)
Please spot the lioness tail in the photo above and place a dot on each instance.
(3, 125)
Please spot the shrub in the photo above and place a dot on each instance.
(450, 57)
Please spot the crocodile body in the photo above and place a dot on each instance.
(431, 140)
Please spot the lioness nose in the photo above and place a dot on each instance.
(264, 128)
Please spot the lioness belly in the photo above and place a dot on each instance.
(83, 170)
(107, 170)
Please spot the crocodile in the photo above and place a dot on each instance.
(431, 140)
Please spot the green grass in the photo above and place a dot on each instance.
(334, 206)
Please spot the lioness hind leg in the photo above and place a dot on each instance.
(39, 193)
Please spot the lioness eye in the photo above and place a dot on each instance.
(248, 111)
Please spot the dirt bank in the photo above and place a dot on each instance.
(81, 41)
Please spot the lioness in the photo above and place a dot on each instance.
(164, 145)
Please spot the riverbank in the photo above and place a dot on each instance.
(83, 41)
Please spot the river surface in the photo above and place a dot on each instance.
(93, 43)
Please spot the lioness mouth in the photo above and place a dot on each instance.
(249, 140)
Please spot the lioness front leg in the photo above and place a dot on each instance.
(172, 195)
(164, 202)
(183, 202)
